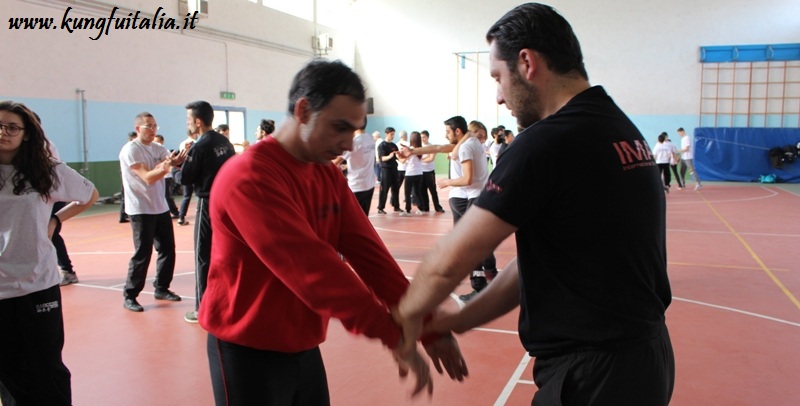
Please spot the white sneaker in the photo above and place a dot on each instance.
(698, 186)
(405, 214)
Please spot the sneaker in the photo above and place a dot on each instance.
(183, 222)
(132, 305)
(468, 296)
(176, 216)
(380, 211)
(68, 278)
(397, 209)
(418, 212)
(167, 295)
(698, 186)
(191, 317)
(405, 214)
(125, 220)
(440, 210)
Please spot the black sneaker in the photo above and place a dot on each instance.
(440, 210)
(167, 295)
(468, 296)
(380, 211)
(132, 305)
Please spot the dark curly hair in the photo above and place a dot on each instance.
(33, 161)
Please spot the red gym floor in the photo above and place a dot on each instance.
(734, 320)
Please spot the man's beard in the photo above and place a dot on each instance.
(525, 102)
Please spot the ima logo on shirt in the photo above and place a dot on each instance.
(634, 156)
(493, 187)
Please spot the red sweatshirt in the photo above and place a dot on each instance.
(276, 276)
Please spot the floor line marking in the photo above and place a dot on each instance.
(753, 254)
(734, 310)
(515, 378)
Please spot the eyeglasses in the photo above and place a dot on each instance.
(150, 127)
(11, 130)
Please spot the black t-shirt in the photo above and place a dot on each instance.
(385, 148)
(584, 192)
(203, 161)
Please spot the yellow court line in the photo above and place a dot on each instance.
(722, 266)
(753, 254)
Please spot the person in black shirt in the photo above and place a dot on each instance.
(590, 274)
(390, 178)
(203, 161)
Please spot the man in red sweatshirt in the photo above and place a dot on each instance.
(283, 219)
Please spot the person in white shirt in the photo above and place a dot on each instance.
(144, 165)
(32, 371)
(360, 168)
(687, 159)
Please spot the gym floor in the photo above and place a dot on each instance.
(734, 319)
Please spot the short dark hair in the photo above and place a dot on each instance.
(388, 130)
(320, 81)
(202, 110)
(425, 132)
(681, 129)
(457, 123)
(223, 127)
(132, 135)
(540, 28)
(267, 126)
(662, 137)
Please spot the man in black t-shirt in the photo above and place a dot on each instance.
(590, 274)
(205, 157)
(390, 178)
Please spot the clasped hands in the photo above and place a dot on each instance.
(443, 351)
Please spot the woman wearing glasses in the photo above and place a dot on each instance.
(31, 369)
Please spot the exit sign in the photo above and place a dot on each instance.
(227, 95)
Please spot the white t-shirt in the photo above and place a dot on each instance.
(470, 150)
(414, 166)
(360, 163)
(662, 153)
(141, 198)
(27, 256)
(401, 166)
(686, 143)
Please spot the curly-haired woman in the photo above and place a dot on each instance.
(31, 368)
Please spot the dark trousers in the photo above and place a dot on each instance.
(665, 176)
(488, 266)
(636, 373)
(429, 186)
(365, 199)
(390, 181)
(31, 368)
(202, 248)
(247, 376)
(58, 242)
(414, 186)
(187, 197)
(169, 186)
(378, 171)
(674, 169)
(122, 215)
(151, 230)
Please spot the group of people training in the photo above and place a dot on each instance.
(669, 157)
(590, 275)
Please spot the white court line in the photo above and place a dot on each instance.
(407, 232)
(119, 289)
(734, 310)
(515, 378)
(118, 252)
